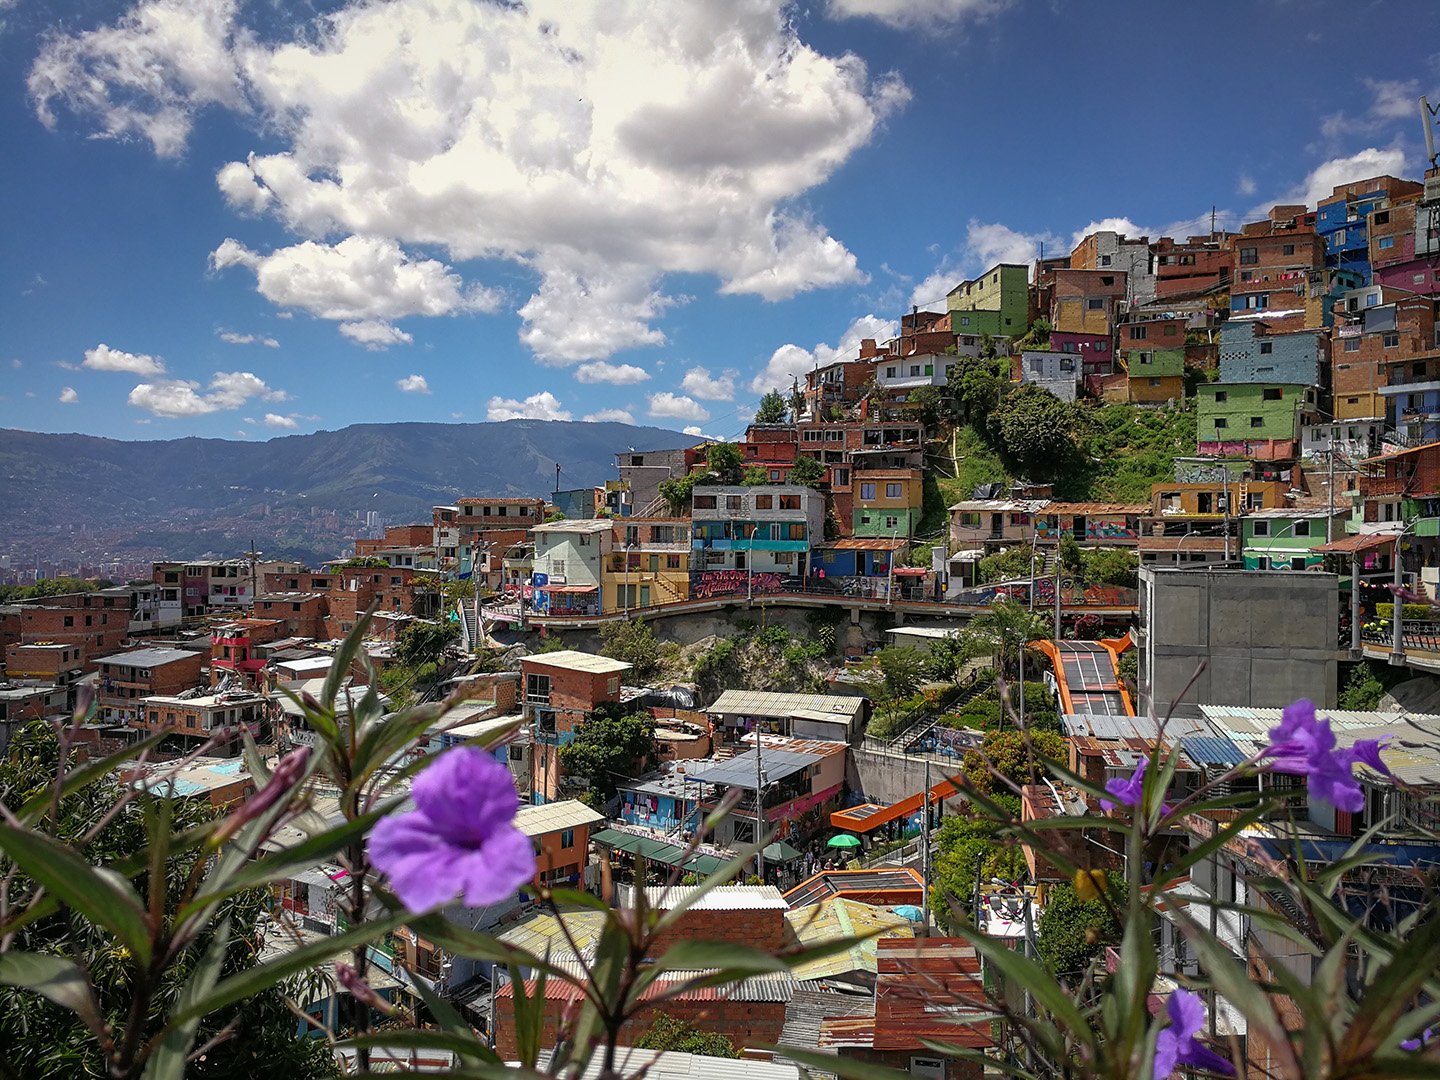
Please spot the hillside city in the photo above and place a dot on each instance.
(1138, 497)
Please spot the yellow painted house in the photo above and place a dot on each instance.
(648, 565)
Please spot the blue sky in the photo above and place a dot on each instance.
(226, 221)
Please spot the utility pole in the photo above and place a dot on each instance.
(1057, 601)
(1355, 605)
(1330, 492)
(925, 856)
(759, 808)
(1397, 642)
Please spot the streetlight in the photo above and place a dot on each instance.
(1397, 644)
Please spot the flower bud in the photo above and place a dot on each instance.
(282, 781)
(360, 990)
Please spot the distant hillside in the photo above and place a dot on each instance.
(162, 490)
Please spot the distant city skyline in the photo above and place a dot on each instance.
(228, 222)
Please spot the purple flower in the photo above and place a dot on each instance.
(460, 840)
(1367, 752)
(1305, 746)
(1129, 791)
(1177, 1044)
(1420, 1041)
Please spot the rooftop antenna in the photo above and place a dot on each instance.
(1427, 117)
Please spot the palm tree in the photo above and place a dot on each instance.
(1004, 633)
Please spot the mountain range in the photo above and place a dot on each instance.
(178, 494)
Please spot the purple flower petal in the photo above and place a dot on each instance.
(1367, 752)
(1167, 1053)
(1128, 792)
(1303, 745)
(1177, 1045)
(460, 840)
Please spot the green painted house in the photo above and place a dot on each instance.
(1285, 538)
(1237, 413)
(995, 303)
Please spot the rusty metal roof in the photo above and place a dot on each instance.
(929, 988)
(777, 988)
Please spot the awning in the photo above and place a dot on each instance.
(656, 851)
(780, 852)
(862, 543)
(910, 571)
(1351, 545)
(569, 588)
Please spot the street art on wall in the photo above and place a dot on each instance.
(712, 583)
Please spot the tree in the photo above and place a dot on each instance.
(677, 493)
(902, 669)
(1018, 759)
(668, 1033)
(797, 403)
(1070, 557)
(1072, 932)
(424, 642)
(1111, 566)
(1363, 690)
(755, 476)
(1002, 632)
(807, 471)
(772, 409)
(610, 746)
(926, 401)
(726, 462)
(1011, 564)
(632, 641)
(975, 386)
(42, 1039)
(1036, 430)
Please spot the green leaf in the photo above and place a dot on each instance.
(167, 1059)
(97, 895)
(77, 778)
(344, 658)
(253, 980)
(1029, 976)
(470, 1050)
(55, 979)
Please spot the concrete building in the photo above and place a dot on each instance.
(995, 303)
(568, 565)
(887, 502)
(1343, 218)
(1266, 638)
(643, 471)
(1255, 420)
(648, 564)
(562, 689)
(128, 678)
(190, 721)
(1058, 372)
(1286, 538)
(1259, 351)
(991, 523)
(753, 531)
(57, 663)
(1152, 352)
(1195, 267)
(1109, 250)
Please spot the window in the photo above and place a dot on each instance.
(1102, 346)
(1386, 242)
(1257, 421)
(1302, 528)
(537, 689)
(1095, 303)
(1271, 393)
(1249, 256)
(914, 370)
(1262, 528)
(1221, 422)
(776, 476)
(964, 320)
(1247, 275)
(733, 502)
(567, 838)
(892, 491)
(1266, 348)
(1392, 340)
(867, 491)
(842, 477)
(892, 522)
(1147, 358)
(1287, 249)
(69, 620)
(704, 502)
(1222, 395)
(764, 502)
(889, 372)
(929, 369)
(789, 502)
(1105, 260)
(1352, 344)
(672, 562)
(584, 540)
(1138, 333)
(1154, 382)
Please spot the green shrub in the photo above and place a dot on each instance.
(1407, 611)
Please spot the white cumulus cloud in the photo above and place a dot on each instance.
(677, 406)
(375, 334)
(184, 397)
(517, 132)
(277, 420)
(917, 13)
(230, 337)
(699, 383)
(68, 396)
(613, 416)
(693, 429)
(790, 362)
(1343, 170)
(601, 371)
(541, 406)
(104, 358)
(412, 384)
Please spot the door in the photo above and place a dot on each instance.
(996, 524)
(739, 560)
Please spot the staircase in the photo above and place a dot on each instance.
(470, 633)
(656, 507)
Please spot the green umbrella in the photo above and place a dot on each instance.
(843, 840)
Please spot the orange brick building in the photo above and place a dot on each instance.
(561, 689)
(127, 678)
(561, 831)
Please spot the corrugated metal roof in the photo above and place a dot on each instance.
(743, 770)
(721, 898)
(838, 918)
(674, 1065)
(777, 705)
(757, 988)
(571, 660)
(147, 658)
(1212, 749)
(552, 817)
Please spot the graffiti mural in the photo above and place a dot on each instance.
(711, 583)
